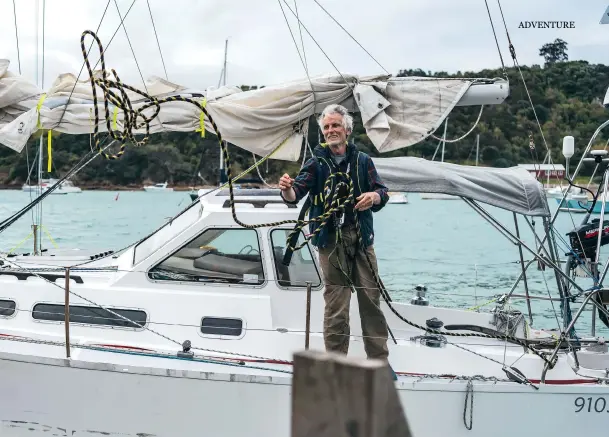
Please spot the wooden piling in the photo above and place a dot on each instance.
(337, 396)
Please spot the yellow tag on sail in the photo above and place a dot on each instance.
(202, 121)
(49, 150)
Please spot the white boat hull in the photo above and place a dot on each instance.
(67, 187)
(157, 190)
(78, 398)
(129, 393)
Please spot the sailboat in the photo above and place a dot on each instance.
(180, 330)
(65, 187)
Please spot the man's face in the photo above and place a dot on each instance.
(334, 132)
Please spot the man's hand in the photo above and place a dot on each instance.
(366, 200)
(285, 182)
(285, 185)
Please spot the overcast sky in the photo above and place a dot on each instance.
(449, 35)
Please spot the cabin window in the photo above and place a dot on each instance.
(89, 315)
(217, 255)
(222, 326)
(7, 307)
(302, 266)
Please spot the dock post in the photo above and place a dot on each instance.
(338, 396)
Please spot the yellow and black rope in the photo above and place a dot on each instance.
(336, 204)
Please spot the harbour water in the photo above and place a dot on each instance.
(443, 244)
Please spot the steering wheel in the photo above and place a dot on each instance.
(249, 251)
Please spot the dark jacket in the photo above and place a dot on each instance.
(316, 171)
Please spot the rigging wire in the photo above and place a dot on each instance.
(41, 136)
(514, 58)
(351, 36)
(302, 60)
(304, 54)
(89, 51)
(496, 40)
(17, 36)
(157, 40)
(137, 64)
(318, 45)
(43, 39)
(133, 53)
(517, 65)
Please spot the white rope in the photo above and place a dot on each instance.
(258, 171)
(468, 132)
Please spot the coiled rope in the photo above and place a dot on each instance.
(336, 203)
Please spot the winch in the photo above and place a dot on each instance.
(419, 297)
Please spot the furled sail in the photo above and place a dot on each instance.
(396, 112)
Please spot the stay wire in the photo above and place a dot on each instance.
(17, 36)
(517, 65)
(352, 37)
(157, 40)
(302, 61)
(304, 53)
(318, 45)
(90, 47)
(137, 64)
(496, 40)
(28, 180)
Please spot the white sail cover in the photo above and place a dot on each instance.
(396, 112)
(513, 189)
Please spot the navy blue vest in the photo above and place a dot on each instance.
(358, 170)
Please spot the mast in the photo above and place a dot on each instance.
(36, 227)
(224, 68)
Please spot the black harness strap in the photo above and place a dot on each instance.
(289, 252)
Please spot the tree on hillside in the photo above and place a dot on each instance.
(554, 51)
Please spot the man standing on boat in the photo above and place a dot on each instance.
(343, 261)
